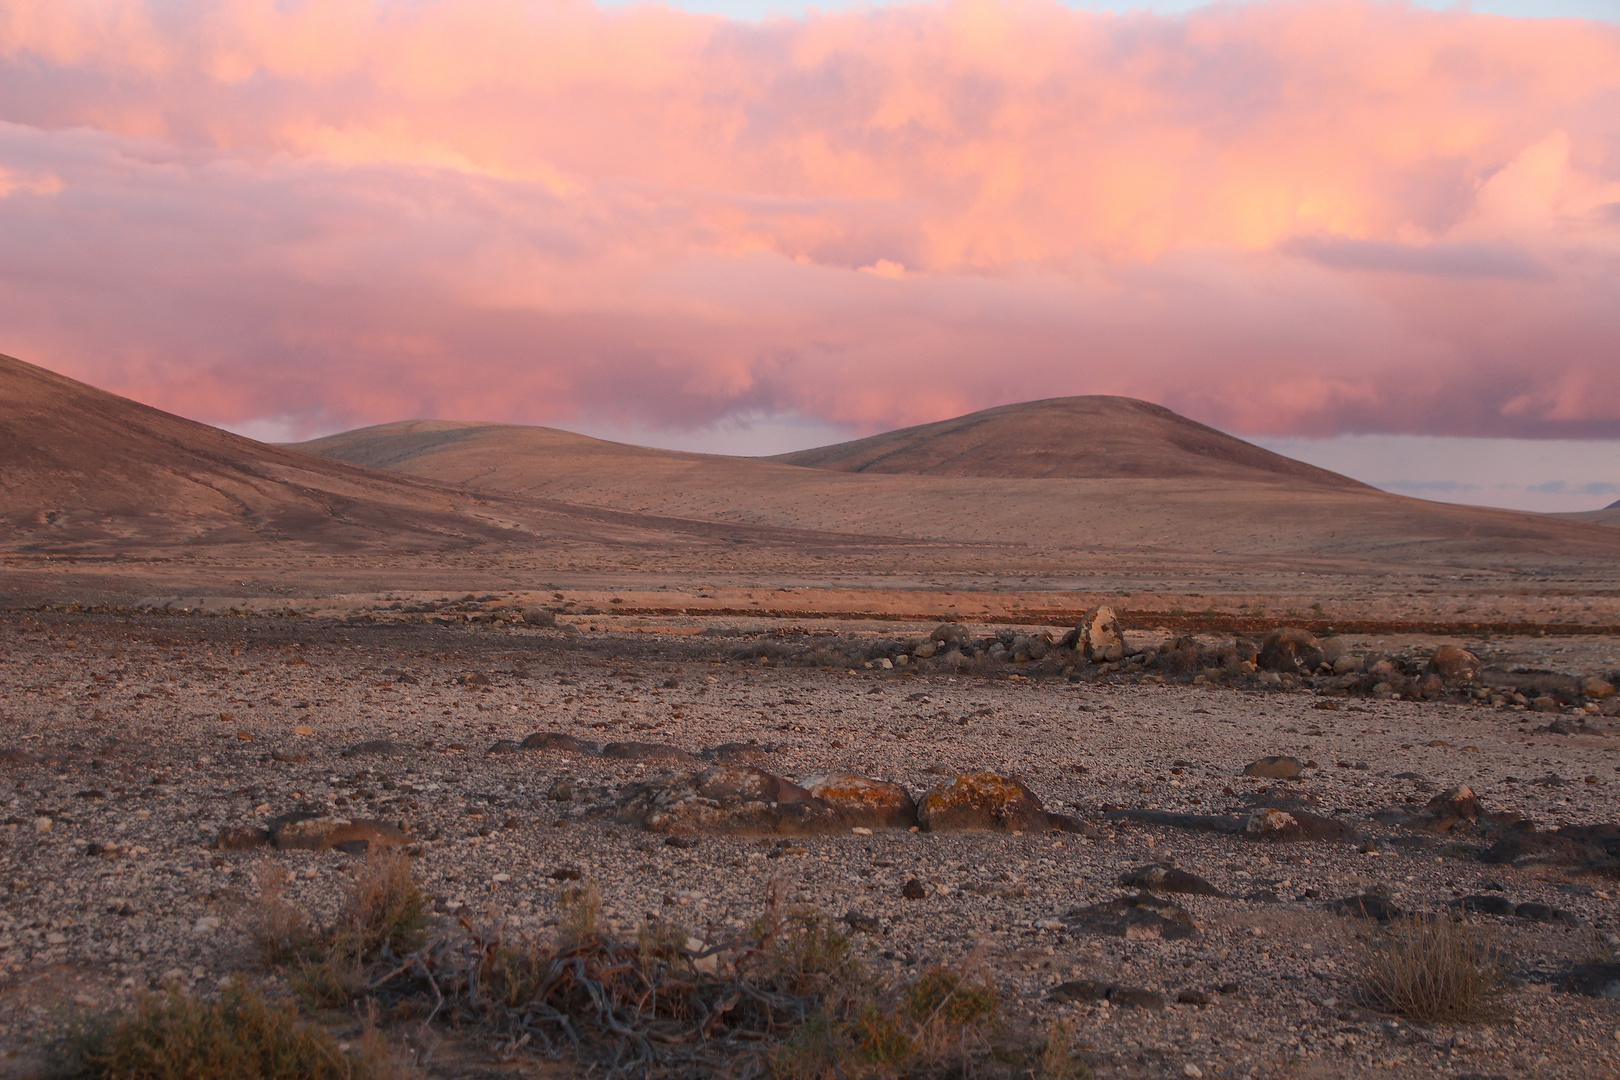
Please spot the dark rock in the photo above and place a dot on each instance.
(12, 755)
(1215, 823)
(682, 842)
(1125, 997)
(1485, 904)
(289, 757)
(1454, 664)
(641, 751)
(1275, 768)
(242, 838)
(914, 890)
(1367, 906)
(1546, 913)
(1593, 980)
(733, 753)
(863, 801)
(1157, 878)
(1193, 997)
(556, 740)
(474, 678)
(1521, 849)
(374, 748)
(1070, 824)
(1290, 649)
(567, 873)
(973, 801)
(505, 746)
(728, 799)
(1142, 916)
(862, 923)
(561, 791)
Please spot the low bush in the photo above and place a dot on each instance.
(238, 1037)
(1435, 971)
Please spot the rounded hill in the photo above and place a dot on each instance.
(1091, 437)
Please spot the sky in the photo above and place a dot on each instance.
(1383, 235)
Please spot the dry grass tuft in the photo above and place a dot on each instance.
(384, 918)
(239, 1037)
(1437, 971)
(279, 929)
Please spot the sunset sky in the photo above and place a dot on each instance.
(1380, 236)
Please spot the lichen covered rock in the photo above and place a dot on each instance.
(864, 800)
(981, 800)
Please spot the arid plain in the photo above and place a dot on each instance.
(989, 697)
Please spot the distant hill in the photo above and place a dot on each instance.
(1092, 437)
(1056, 477)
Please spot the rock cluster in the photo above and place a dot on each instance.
(734, 799)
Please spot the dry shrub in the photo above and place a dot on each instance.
(280, 930)
(239, 1037)
(1058, 1061)
(1438, 971)
(384, 918)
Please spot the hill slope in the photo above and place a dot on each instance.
(1091, 437)
(1235, 501)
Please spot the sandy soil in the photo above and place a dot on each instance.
(148, 735)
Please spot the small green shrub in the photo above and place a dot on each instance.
(385, 911)
(239, 1037)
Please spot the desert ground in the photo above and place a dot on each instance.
(550, 673)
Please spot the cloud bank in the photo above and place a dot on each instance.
(1283, 218)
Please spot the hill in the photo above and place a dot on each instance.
(1093, 437)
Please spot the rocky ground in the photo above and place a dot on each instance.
(130, 745)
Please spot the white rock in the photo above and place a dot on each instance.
(42, 824)
(206, 925)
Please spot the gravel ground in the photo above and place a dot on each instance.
(137, 740)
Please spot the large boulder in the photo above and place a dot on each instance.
(728, 799)
(1289, 648)
(981, 801)
(863, 801)
(1454, 664)
(1099, 637)
(1449, 809)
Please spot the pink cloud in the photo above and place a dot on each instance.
(1282, 218)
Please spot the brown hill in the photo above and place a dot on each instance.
(80, 466)
(1091, 437)
(1231, 502)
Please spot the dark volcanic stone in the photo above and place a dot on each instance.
(914, 890)
(374, 748)
(556, 740)
(1593, 980)
(1156, 878)
(1215, 823)
(643, 751)
(1485, 904)
(1142, 916)
(1119, 996)
(1366, 906)
(1521, 848)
